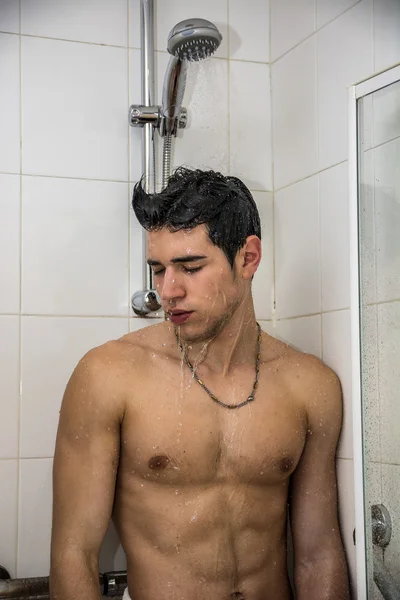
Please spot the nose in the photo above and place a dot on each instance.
(171, 287)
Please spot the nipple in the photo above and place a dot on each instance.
(158, 462)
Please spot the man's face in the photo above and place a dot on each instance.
(194, 280)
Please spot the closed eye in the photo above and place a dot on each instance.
(192, 270)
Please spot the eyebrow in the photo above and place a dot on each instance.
(178, 259)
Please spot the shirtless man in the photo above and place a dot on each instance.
(194, 435)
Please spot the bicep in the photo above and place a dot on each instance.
(313, 501)
(85, 462)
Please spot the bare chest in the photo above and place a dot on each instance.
(174, 433)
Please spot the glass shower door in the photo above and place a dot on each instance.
(378, 122)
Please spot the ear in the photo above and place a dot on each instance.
(250, 257)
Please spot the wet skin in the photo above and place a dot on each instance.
(201, 496)
(199, 493)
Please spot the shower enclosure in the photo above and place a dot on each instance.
(375, 205)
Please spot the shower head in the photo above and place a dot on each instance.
(194, 39)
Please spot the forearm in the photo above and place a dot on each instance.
(325, 579)
(73, 576)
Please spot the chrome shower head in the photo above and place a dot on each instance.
(194, 39)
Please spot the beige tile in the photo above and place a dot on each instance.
(327, 10)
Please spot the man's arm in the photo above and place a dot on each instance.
(320, 569)
(84, 473)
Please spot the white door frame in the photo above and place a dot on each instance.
(356, 92)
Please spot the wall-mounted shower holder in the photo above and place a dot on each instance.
(140, 115)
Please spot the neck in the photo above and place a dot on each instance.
(235, 344)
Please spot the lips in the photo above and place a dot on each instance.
(179, 316)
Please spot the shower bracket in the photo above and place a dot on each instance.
(140, 115)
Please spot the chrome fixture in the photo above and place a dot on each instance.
(112, 583)
(189, 40)
(381, 535)
(381, 525)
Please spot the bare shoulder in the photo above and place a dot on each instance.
(306, 376)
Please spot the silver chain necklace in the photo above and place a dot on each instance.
(203, 385)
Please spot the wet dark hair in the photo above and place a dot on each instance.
(196, 197)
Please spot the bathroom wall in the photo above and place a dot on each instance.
(318, 48)
(70, 251)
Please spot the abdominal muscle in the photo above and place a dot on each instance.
(220, 541)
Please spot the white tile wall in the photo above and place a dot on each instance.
(345, 476)
(9, 16)
(74, 109)
(134, 23)
(34, 518)
(94, 21)
(9, 104)
(263, 282)
(45, 372)
(250, 86)
(135, 133)
(389, 379)
(335, 246)
(386, 33)
(387, 220)
(9, 243)
(9, 514)
(9, 377)
(249, 31)
(294, 115)
(327, 10)
(385, 118)
(297, 264)
(171, 12)
(303, 333)
(292, 21)
(339, 66)
(75, 250)
(336, 353)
